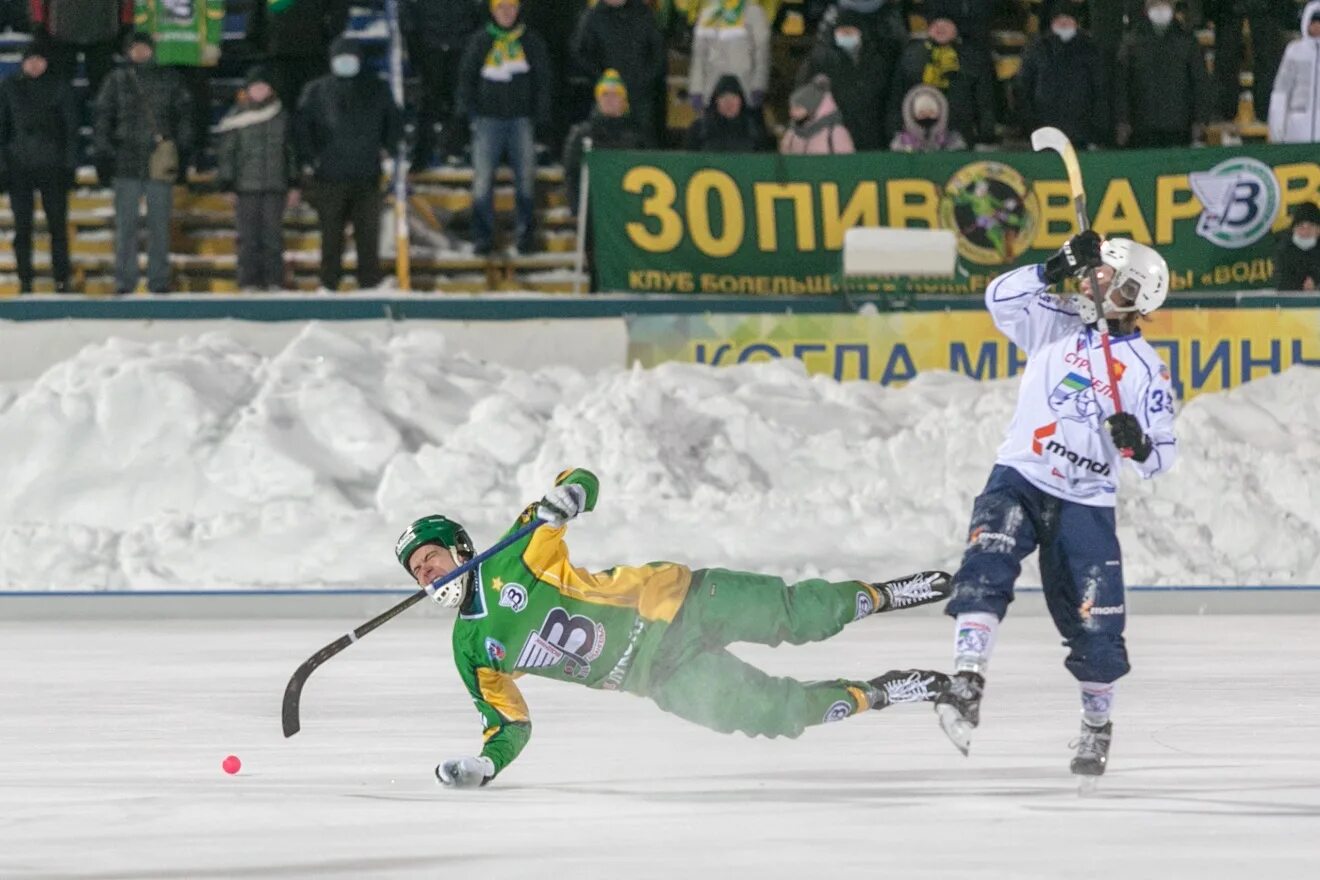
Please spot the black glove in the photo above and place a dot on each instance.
(1125, 431)
(1080, 252)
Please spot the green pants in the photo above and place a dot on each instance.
(693, 675)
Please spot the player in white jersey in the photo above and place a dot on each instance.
(1055, 477)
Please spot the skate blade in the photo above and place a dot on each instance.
(955, 728)
(1087, 785)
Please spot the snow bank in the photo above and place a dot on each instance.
(203, 464)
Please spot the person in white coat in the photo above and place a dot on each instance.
(1295, 101)
(731, 37)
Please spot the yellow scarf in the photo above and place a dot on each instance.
(943, 61)
(506, 57)
(723, 14)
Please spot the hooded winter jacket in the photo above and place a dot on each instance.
(822, 133)
(1295, 101)
(715, 133)
(917, 138)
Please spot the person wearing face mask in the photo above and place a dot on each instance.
(859, 74)
(143, 128)
(1295, 103)
(346, 122)
(962, 72)
(1061, 82)
(294, 37)
(1297, 261)
(1163, 92)
(816, 126)
(926, 123)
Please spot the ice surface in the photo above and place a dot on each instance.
(113, 734)
(204, 464)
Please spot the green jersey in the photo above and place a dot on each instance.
(187, 32)
(531, 611)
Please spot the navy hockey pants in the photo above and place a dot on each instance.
(1080, 568)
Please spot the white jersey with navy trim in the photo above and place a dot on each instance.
(1057, 439)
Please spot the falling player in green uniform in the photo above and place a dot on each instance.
(658, 630)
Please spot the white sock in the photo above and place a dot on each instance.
(1097, 702)
(973, 640)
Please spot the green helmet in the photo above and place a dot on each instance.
(434, 529)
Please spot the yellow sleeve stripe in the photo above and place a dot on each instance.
(498, 689)
(859, 696)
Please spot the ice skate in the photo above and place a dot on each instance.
(1092, 754)
(917, 589)
(959, 708)
(908, 686)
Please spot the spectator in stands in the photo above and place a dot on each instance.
(93, 28)
(610, 127)
(926, 123)
(850, 55)
(188, 39)
(727, 125)
(436, 32)
(961, 72)
(256, 162)
(816, 126)
(1162, 96)
(622, 35)
(1061, 81)
(731, 37)
(143, 124)
(504, 90)
(295, 36)
(1297, 261)
(554, 21)
(1295, 103)
(970, 17)
(1264, 18)
(347, 120)
(39, 153)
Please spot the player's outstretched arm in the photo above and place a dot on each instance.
(1020, 301)
(575, 492)
(506, 722)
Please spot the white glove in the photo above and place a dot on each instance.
(465, 772)
(561, 504)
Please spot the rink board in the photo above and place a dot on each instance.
(350, 605)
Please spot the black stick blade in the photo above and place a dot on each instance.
(293, 692)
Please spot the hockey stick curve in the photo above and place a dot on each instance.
(1050, 138)
(289, 711)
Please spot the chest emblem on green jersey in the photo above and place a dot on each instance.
(569, 642)
(513, 597)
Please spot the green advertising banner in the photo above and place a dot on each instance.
(771, 224)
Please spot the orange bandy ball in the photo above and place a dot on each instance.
(231, 764)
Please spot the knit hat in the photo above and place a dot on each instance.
(345, 45)
(610, 81)
(257, 73)
(494, 3)
(810, 95)
(142, 37)
(1306, 212)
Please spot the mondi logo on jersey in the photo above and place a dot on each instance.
(1041, 444)
(1240, 199)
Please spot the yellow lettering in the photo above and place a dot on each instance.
(1120, 213)
(1169, 208)
(1058, 218)
(804, 224)
(863, 209)
(699, 189)
(658, 206)
(1262, 270)
(912, 202)
(1300, 183)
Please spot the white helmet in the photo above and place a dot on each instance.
(1140, 274)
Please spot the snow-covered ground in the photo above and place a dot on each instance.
(203, 464)
(113, 734)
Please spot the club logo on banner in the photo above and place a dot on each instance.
(990, 207)
(1240, 199)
